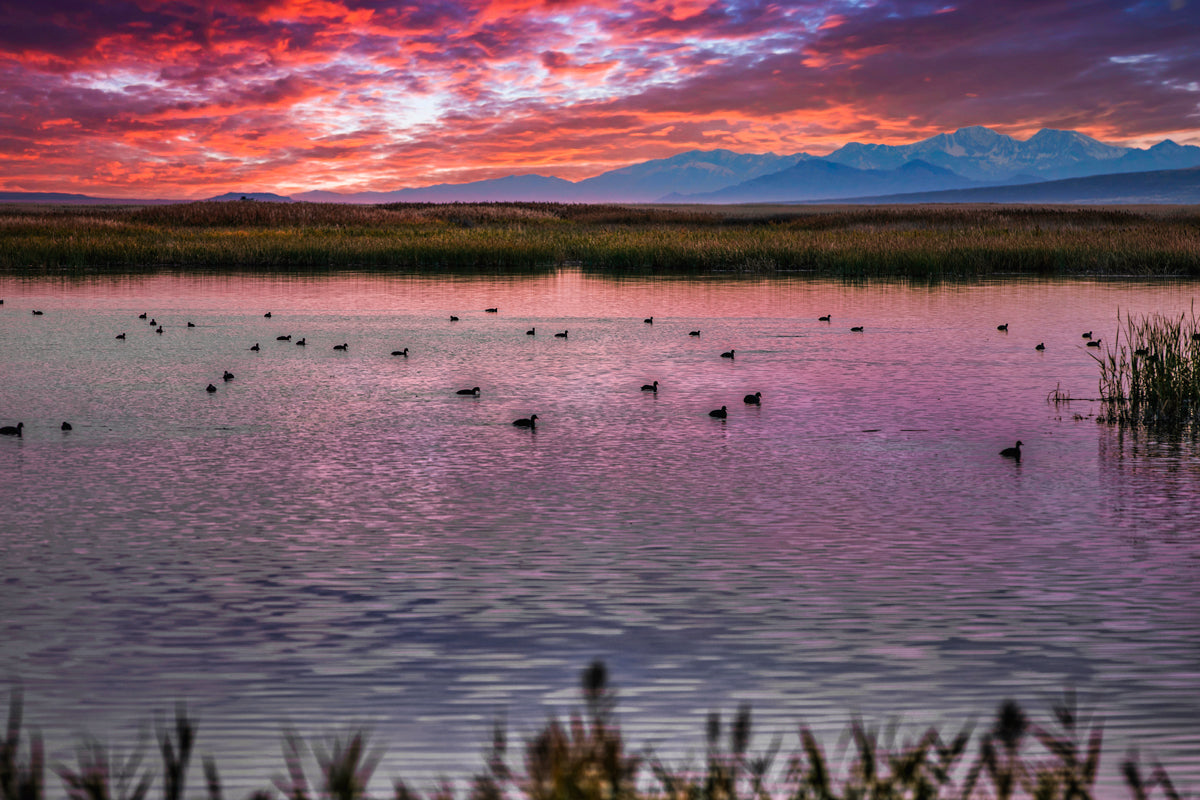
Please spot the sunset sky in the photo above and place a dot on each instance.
(189, 98)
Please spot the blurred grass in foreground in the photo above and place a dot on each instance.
(921, 242)
(586, 758)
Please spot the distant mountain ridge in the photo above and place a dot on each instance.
(970, 159)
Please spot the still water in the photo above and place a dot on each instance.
(336, 538)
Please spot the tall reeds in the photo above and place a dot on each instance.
(1151, 374)
(586, 758)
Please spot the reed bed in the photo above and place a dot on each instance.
(854, 242)
(1151, 376)
(586, 758)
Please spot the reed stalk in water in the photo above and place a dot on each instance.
(1151, 375)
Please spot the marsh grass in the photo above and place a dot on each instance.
(585, 758)
(1151, 374)
(917, 242)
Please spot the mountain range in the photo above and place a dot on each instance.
(977, 161)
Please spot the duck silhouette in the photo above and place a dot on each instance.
(1087, 335)
(650, 387)
(120, 336)
(1040, 346)
(228, 376)
(403, 352)
(210, 388)
(753, 399)
(693, 333)
(474, 391)
(1003, 327)
(491, 310)
(66, 426)
(825, 318)
(301, 342)
(1013, 452)
(12, 430)
(287, 338)
(255, 348)
(562, 335)
(530, 422)
(453, 318)
(728, 354)
(719, 413)
(649, 320)
(857, 329)
(531, 332)
(342, 346)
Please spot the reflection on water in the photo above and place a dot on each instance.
(337, 537)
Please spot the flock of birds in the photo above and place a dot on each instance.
(531, 421)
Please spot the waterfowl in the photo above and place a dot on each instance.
(38, 313)
(267, 315)
(491, 310)
(825, 318)
(1094, 344)
(12, 430)
(158, 329)
(287, 338)
(650, 387)
(301, 342)
(474, 391)
(228, 376)
(119, 336)
(649, 320)
(1087, 335)
(143, 316)
(1040, 346)
(341, 346)
(191, 324)
(1141, 351)
(857, 329)
(1012, 452)
(210, 388)
(526, 423)
(693, 333)
(728, 354)
(403, 352)
(1003, 327)
(153, 321)
(453, 318)
(531, 332)
(66, 426)
(255, 348)
(719, 413)
(753, 399)
(562, 335)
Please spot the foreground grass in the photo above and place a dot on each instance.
(902, 241)
(1151, 375)
(586, 758)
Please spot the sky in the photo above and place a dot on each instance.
(191, 98)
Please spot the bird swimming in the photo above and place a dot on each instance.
(531, 332)
(143, 316)
(693, 333)
(1003, 327)
(301, 342)
(1096, 343)
(287, 338)
(719, 413)
(650, 387)
(38, 313)
(728, 354)
(210, 388)
(857, 329)
(491, 310)
(531, 422)
(12, 430)
(341, 346)
(1040, 346)
(228, 376)
(825, 318)
(453, 318)
(562, 335)
(119, 336)
(1087, 335)
(403, 352)
(191, 324)
(267, 315)
(66, 426)
(158, 329)
(649, 320)
(753, 399)
(1013, 452)
(255, 348)
(153, 321)
(474, 391)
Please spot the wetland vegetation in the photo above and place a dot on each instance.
(920, 242)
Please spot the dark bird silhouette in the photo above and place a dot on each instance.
(693, 333)
(728, 354)
(491, 311)
(120, 336)
(1012, 452)
(341, 346)
(301, 342)
(825, 318)
(1141, 351)
(562, 335)
(753, 399)
(526, 423)
(1003, 327)
(1094, 344)
(191, 324)
(719, 413)
(857, 329)
(12, 430)
(153, 321)
(650, 387)
(255, 348)
(453, 318)
(38, 313)
(287, 338)
(228, 376)
(142, 316)
(66, 426)
(403, 352)
(474, 391)
(531, 332)
(210, 388)
(158, 329)
(1087, 335)
(1041, 346)
(267, 315)
(649, 320)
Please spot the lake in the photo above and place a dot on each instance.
(335, 538)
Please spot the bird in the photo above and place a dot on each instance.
(753, 399)
(526, 423)
(210, 388)
(403, 352)
(857, 329)
(719, 413)
(650, 387)
(38, 313)
(1003, 327)
(191, 324)
(1013, 452)
(287, 338)
(119, 336)
(453, 318)
(693, 333)
(158, 329)
(491, 311)
(153, 321)
(228, 376)
(649, 320)
(562, 335)
(255, 348)
(341, 346)
(12, 430)
(728, 354)
(1087, 335)
(1040, 346)
(1096, 343)
(66, 426)
(1141, 351)
(531, 332)
(825, 318)
(143, 315)
(267, 315)
(301, 342)
(474, 391)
